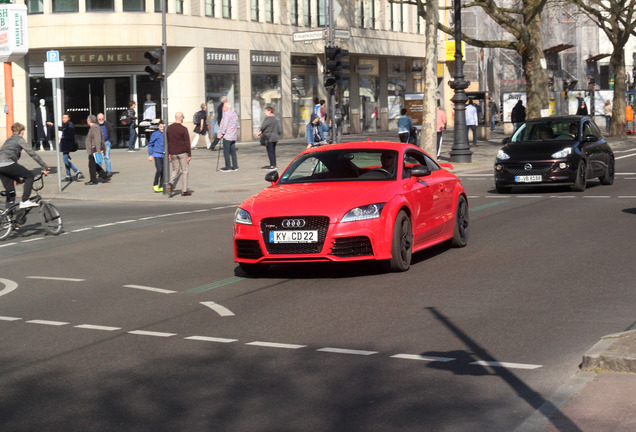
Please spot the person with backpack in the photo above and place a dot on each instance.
(68, 145)
(201, 127)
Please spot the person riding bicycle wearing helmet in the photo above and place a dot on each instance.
(11, 170)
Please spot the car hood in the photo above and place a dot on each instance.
(537, 149)
(329, 199)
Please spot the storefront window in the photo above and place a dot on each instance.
(218, 85)
(134, 5)
(65, 5)
(35, 6)
(369, 104)
(265, 92)
(396, 90)
(99, 5)
(304, 87)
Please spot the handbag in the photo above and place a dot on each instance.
(99, 158)
(263, 140)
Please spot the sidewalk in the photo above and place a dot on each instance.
(594, 402)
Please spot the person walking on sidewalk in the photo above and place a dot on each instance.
(441, 126)
(269, 136)
(132, 125)
(518, 115)
(229, 132)
(67, 146)
(11, 170)
(179, 153)
(494, 111)
(108, 131)
(405, 125)
(471, 121)
(201, 127)
(219, 117)
(94, 144)
(155, 153)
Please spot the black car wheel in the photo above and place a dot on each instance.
(462, 224)
(402, 248)
(608, 178)
(581, 178)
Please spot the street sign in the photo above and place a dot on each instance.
(54, 69)
(52, 56)
(341, 34)
(13, 32)
(309, 36)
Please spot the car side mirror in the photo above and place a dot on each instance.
(591, 138)
(420, 171)
(271, 176)
(506, 140)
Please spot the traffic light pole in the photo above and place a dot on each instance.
(332, 96)
(164, 99)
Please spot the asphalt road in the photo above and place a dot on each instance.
(137, 319)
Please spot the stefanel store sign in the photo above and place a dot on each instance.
(13, 32)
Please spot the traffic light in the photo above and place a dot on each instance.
(334, 65)
(155, 69)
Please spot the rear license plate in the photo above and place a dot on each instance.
(293, 236)
(528, 179)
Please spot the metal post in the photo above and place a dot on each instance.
(164, 98)
(57, 105)
(332, 93)
(460, 151)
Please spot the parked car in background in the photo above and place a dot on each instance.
(568, 150)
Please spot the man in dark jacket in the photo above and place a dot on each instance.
(518, 115)
(94, 144)
(179, 153)
(67, 145)
(219, 116)
(108, 131)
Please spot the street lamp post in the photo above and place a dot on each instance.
(460, 151)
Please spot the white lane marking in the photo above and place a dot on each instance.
(347, 351)
(473, 196)
(8, 244)
(32, 240)
(97, 327)
(530, 196)
(423, 357)
(505, 364)
(627, 197)
(56, 278)
(105, 225)
(626, 156)
(562, 196)
(8, 318)
(597, 196)
(151, 333)
(211, 339)
(9, 286)
(146, 288)
(126, 221)
(276, 345)
(221, 310)
(147, 218)
(47, 322)
(82, 229)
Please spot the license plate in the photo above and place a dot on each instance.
(528, 179)
(293, 236)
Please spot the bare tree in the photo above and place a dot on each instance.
(616, 19)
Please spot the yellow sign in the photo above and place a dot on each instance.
(450, 50)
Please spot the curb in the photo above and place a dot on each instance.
(609, 353)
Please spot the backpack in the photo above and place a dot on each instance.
(196, 119)
(123, 119)
(337, 116)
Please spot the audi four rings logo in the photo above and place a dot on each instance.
(527, 167)
(293, 223)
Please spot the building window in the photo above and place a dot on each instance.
(371, 20)
(209, 8)
(396, 17)
(293, 12)
(360, 14)
(100, 5)
(179, 8)
(255, 10)
(158, 4)
(134, 5)
(269, 11)
(365, 14)
(227, 8)
(35, 6)
(65, 5)
(321, 13)
(307, 13)
(401, 12)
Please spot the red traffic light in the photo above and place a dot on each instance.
(154, 55)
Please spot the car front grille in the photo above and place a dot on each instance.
(320, 223)
(352, 247)
(520, 169)
(248, 249)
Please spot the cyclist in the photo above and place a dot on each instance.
(11, 170)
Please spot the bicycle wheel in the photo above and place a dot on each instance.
(50, 218)
(6, 225)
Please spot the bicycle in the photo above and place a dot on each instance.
(13, 215)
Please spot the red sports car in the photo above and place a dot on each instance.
(352, 201)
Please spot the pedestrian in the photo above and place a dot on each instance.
(155, 153)
(319, 109)
(494, 111)
(316, 132)
(338, 120)
(95, 145)
(582, 109)
(518, 115)
(228, 130)
(179, 154)
(219, 117)
(441, 126)
(269, 136)
(472, 121)
(108, 131)
(201, 127)
(11, 171)
(132, 125)
(405, 124)
(67, 146)
(607, 112)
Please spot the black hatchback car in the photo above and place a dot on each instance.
(566, 150)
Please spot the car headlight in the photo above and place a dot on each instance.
(563, 153)
(502, 155)
(242, 217)
(371, 211)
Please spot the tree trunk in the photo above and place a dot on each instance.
(428, 137)
(536, 79)
(617, 128)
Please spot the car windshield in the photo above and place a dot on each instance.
(547, 131)
(342, 165)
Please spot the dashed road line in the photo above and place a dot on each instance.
(346, 351)
(97, 327)
(211, 339)
(423, 357)
(8, 244)
(47, 322)
(151, 333)
(505, 365)
(275, 345)
(221, 310)
(8, 318)
(56, 278)
(32, 240)
(146, 288)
